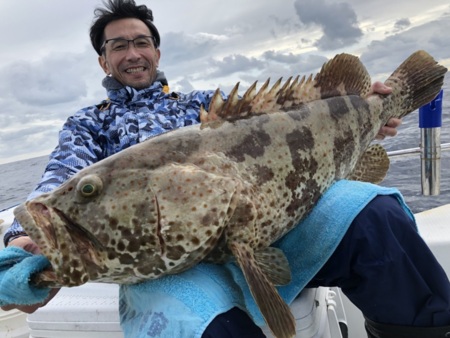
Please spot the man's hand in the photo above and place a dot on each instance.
(27, 244)
(390, 129)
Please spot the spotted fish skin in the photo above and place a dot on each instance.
(228, 188)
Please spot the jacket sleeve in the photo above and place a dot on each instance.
(77, 148)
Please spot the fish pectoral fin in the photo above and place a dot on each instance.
(372, 166)
(274, 265)
(273, 308)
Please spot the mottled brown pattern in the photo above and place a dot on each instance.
(263, 174)
(366, 126)
(337, 106)
(344, 148)
(252, 145)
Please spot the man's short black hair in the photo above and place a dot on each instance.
(116, 10)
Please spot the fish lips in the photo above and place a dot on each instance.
(64, 243)
(35, 220)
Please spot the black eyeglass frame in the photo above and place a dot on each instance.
(103, 47)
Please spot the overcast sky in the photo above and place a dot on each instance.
(48, 69)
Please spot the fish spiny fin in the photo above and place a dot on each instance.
(266, 100)
(258, 99)
(300, 91)
(273, 308)
(230, 107)
(372, 166)
(342, 75)
(245, 102)
(285, 98)
(217, 103)
(282, 94)
(274, 265)
(212, 117)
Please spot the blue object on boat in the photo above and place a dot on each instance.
(430, 115)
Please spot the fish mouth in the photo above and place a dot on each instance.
(48, 220)
(78, 233)
(64, 242)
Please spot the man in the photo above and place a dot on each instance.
(374, 261)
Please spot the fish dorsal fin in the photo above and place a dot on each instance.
(342, 75)
(372, 166)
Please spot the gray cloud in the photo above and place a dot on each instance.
(281, 57)
(402, 24)
(284, 66)
(338, 21)
(40, 86)
(294, 64)
(184, 85)
(234, 63)
(54, 79)
(283, 26)
(178, 47)
(382, 56)
(26, 138)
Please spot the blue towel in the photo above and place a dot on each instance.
(183, 305)
(16, 268)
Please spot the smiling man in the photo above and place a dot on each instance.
(137, 67)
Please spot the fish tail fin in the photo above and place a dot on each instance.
(414, 83)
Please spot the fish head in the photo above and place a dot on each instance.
(126, 223)
(95, 225)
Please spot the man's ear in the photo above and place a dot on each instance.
(158, 52)
(104, 64)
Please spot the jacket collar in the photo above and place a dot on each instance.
(119, 93)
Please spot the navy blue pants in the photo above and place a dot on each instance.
(384, 267)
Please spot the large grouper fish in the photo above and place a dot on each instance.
(228, 187)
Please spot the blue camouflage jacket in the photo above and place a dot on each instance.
(128, 117)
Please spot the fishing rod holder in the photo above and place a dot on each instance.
(430, 123)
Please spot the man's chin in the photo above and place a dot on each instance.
(139, 84)
(139, 80)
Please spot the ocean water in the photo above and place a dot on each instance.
(17, 179)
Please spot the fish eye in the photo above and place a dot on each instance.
(90, 186)
(88, 189)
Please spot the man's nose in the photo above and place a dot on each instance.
(132, 51)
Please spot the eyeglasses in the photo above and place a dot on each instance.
(121, 44)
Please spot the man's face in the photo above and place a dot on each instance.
(132, 66)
